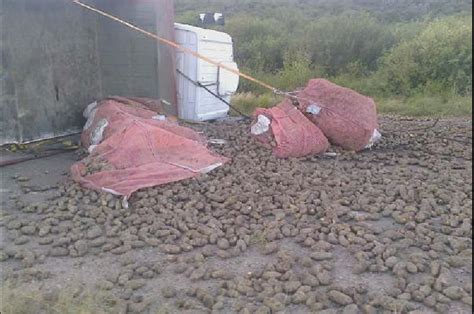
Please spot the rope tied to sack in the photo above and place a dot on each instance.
(176, 46)
(248, 77)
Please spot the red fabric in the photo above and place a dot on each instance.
(294, 134)
(142, 152)
(347, 118)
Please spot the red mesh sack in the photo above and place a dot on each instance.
(132, 148)
(347, 118)
(288, 131)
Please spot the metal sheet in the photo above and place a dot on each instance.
(56, 58)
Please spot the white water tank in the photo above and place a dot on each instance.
(194, 102)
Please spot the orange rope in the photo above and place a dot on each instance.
(200, 56)
(176, 46)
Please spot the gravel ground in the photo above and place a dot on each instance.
(385, 231)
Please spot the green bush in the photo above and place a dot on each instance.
(338, 41)
(401, 54)
(365, 84)
(385, 10)
(258, 43)
(439, 58)
(296, 73)
(332, 43)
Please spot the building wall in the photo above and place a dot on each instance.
(57, 57)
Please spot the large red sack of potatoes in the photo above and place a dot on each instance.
(347, 118)
(288, 132)
(132, 147)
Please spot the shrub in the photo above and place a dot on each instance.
(258, 43)
(337, 41)
(397, 51)
(441, 55)
(296, 72)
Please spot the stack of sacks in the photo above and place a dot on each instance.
(347, 118)
(327, 113)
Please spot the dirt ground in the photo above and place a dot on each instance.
(385, 231)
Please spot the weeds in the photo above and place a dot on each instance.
(428, 106)
(248, 102)
(421, 105)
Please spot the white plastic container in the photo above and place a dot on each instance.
(194, 102)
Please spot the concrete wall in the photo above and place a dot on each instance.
(56, 58)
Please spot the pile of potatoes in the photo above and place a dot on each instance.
(402, 210)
